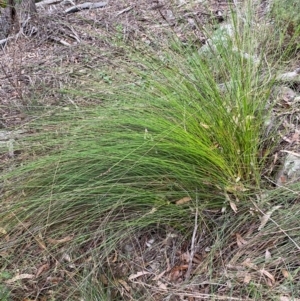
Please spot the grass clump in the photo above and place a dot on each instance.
(183, 138)
(177, 132)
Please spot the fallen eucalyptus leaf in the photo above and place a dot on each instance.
(138, 274)
(266, 217)
(19, 277)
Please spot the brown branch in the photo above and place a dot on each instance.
(86, 5)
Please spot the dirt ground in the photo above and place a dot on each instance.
(34, 69)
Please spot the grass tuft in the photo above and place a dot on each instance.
(184, 136)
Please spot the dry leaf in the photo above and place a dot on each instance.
(204, 125)
(267, 255)
(265, 218)
(185, 257)
(285, 273)
(286, 139)
(285, 298)
(275, 158)
(234, 267)
(269, 282)
(233, 206)
(150, 242)
(177, 271)
(183, 200)
(39, 239)
(247, 278)
(43, 268)
(124, 284)
(66, 257)
(103, 279)
(54, 280)
(229, 284)
(162, 285)
(138, 274)
(115, 258)
(295, 137)
(60, 241)
(159, 276)
(269, 275)
(4, 254)
(19, 277)
(240, 240)
(180, 267)
(174, 275)
(247, 263)
(153, 210)
(3, 231)
(238, 187)
(197, 259)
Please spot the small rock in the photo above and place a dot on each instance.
(290, 171)
(285, 93)
(290, 77)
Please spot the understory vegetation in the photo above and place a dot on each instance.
(165, 189)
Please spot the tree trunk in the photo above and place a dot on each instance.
(15, 17)
(8, 19)
(5, 24)
(27, 14)
(28, 7)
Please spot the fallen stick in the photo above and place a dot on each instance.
(86, 5)
(47, 2)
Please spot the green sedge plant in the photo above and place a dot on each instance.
(185, 133)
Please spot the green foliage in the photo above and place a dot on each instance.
(287, 11)
(185, 124)
(4, 292)
(3, 3)
(286, 27)
(176, 132)
(105, 77)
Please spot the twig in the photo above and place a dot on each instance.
(212, 297)
(75, 35)
(198, 295)
(281, 186)
(61, 41)
(47, 2)
(282, 230)
(86, 5)
(189, 270)
(290, 152)
(124, 11)
(4, 41)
